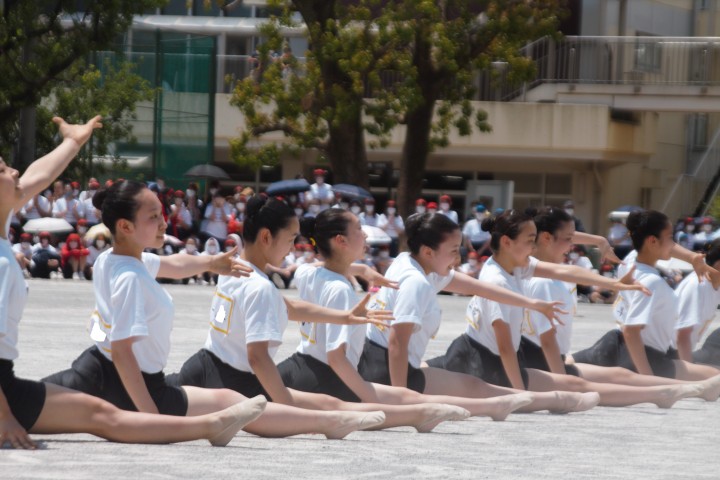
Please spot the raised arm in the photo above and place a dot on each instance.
(606, 250)
(179, 266)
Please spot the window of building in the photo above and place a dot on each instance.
(539, 189)
(698, 131)
(648, 54)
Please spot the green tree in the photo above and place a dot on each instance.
(41, 39)
(87, 90)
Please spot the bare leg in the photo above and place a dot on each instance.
(612, 395)
(283, 420)
(439, 382)
(423, 417)
(68, 411)
(498, 408)
(73, 264)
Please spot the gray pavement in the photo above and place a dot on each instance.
(641, 441)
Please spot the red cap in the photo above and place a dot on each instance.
(420, 201)
(94, 185)
(432, 205)
(238, 188)
(707, 220)
(369, 201)
(75, 184)
(230, 242)
(73, 237)
(82, 222)
(472, 255)
(179, 194)
(390, 203)
(484, 258)
(25, 237)
(689, 220)
(445, 198)
(319, 171)
(44, 235)
(108, 183)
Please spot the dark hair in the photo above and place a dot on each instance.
(322, 229)
(507, 224)
(264, 212)
(551, 219)
(643, 224)
(712, 252)
(429, 229)
(118, 201)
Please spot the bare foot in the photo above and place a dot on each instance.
(344, 423)
(711, 389)
(506, 404)
(672, 394)
(575, 402)
(436, 413)
(234, 418)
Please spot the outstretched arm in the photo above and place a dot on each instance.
(583, 276)
(302, 311)
(606, 250)
(179, 266)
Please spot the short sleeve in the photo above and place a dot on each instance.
(439, 282)
(152, 263)
(340, 297)
(303, 276)
(128, 306)
(4, 295)
(528, 271)
(641, 308)
(261, 315)
(690, 305)
(412, 302)
(542, 290)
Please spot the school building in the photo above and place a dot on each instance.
(623, 110)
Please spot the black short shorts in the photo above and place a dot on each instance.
(95, 375)
(611, 351)
(26, 398)
(709, 354)
(206, 370)
(465, 355)
(374, 367)
(308, 374)
(532, 356)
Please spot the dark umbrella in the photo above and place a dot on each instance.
(629, 208)
(351, 192)
(207, 171)
(295, 185)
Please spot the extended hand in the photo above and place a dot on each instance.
(79, 133)
(227, 264)
(360, 314)
(627, 282)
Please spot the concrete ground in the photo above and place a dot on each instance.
(641, 441)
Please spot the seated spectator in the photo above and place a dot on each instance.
(475, 238)
(217, 215)
(82, 228)
(97, 246)
(576, 256)
(382, 258)
(45, 258)
(212, 247)
(180, 220)
(369, 216)
(473, 266)
(445, 203)
(37, 207)
(73, 257)
(420, 206)
(23, 252)
(432, 207)
(355, 208)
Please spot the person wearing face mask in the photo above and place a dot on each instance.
(704, 236)
(98, 245)
(194, 205)
(382, 259)
(240, 204)
(217, 215)
(369, 216)
(37, 207)
(92, 187)
(474, 237)
(180, 221)
(472, 267)
(355, 208)
(23, 252)
(393, 225)
(191, 248)
(445, 203)
(45, 258)
(320, 191)
(569, 207)
(619, 237)
(432, 208)
(313, 208)
(420, 206)
(66, 206)
(686, 236)
(73, 257)
(299, 210)
(212, 247)
(341, 202)
(89, 212)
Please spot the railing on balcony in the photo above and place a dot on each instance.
(669, 61)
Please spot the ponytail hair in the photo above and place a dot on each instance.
(320, 230)
(551, 219)
(507, 224)
(646, 223)
(428, 229)
(118, 202)
(264, 212)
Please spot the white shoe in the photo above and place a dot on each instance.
(76, 276)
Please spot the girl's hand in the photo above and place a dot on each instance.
(703, 270)
(227, 264)
(360, 314)
(374, 277)
(551, 310)
(79, 133)
(627, 282)
(13, 433)
(607, 253)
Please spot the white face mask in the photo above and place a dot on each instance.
(25, 245)
(212, 249)
(391, 211)
(314, 208)
(36, 239)
(307, 255)
(344, 205)
(213, 191)
(369, 208)
(240, 206)
(479, 215)
(608, 274)
(82, 230)
(298, 211)
(229, 247)
(573, 256)
(355, 209)
(445, 206)
(384, 254)
(319, 180)
(178, 201)
(190, 193)
(100, 243)
(472, 262)
(432, 211)
(690, 228)
(168, 249)
(76, 193)
(570, 211)
(190, 248)
(420, 210)
(707, 228)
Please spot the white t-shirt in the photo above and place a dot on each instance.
(371, 219)
(621, 304)
(13, 295)
(474, 231)
(245, 310)
(393, 228)
(657, 312)
(61, 205)
(216, 226)
(130, 303)
(536, 324)
(481, 313)
(328, 289)
(414, 302)
(698, 303)
(619, 235)
(88, 210)
(30, 209)
(451, 214)
(323, 193)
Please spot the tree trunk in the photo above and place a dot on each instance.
(414, 157)
(347, 154)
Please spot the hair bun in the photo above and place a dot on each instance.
(488, 224)
(254, 204)
(307, 227)
(99, 198)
